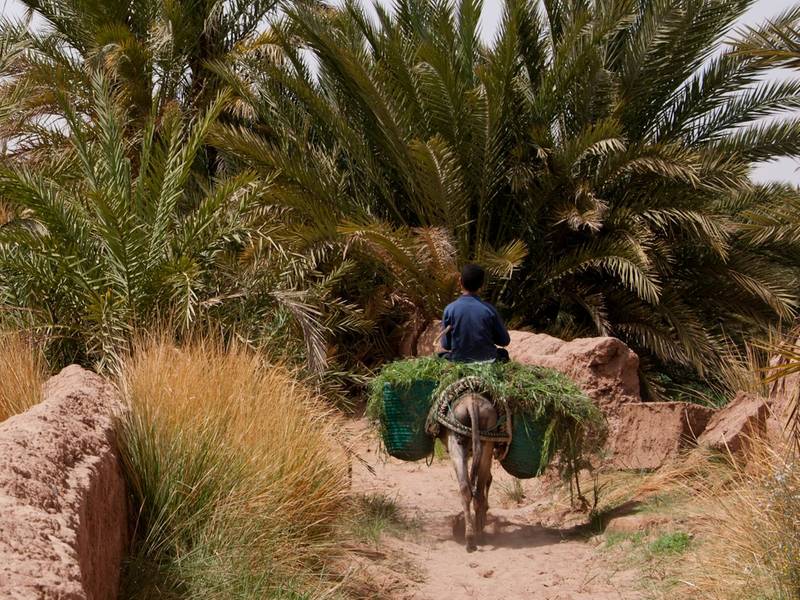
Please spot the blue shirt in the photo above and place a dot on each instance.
(475, 330)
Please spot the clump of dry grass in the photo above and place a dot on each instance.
(22, 373)
(238, 484)
(752, 530)
(697, 471)
(745, 512)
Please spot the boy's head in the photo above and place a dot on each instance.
(472, 277)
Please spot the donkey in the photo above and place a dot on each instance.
(478, 413)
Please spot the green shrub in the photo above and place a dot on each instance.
(670, 543)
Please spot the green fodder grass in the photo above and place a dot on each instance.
(22, 373)
(751, 534)
(576, 426)
(526, 389)
(237, 483)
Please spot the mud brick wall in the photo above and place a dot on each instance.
(63, 501)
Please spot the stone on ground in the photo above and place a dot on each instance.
(730, 428)
(649, 434)
(604, 367)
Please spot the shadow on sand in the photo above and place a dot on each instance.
(501, 532)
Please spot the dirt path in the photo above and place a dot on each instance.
(524, 554)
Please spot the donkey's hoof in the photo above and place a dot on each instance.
(471, 547)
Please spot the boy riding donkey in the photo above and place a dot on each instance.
(472, 330)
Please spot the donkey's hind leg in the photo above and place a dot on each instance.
(459, 455)
(481, 500)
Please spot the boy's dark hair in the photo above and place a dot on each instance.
(472, 277)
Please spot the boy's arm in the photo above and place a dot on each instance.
(500, 333)
(447, 337)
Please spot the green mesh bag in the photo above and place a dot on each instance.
(524, 457)
(405, 409)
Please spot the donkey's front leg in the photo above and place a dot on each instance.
(459, 454)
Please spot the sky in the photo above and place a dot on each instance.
(779, 170)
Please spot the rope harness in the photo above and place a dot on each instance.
(441, 413)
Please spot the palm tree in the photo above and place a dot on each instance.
(100, 246)
(777, 43)
(117, 235)
(647, 168)
(153, 52)
(611, 141)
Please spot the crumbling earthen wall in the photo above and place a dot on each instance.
(63, 501)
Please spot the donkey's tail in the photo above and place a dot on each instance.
(474, 419)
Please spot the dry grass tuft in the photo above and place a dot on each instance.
(752, 531)
(693, 472)
(238, 482)
(22, 373)
(745, 513)
(512, 491)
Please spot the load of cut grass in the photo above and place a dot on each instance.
(236, 481)
(572, 426)
(22, 373)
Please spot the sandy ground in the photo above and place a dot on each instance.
(528, 551)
